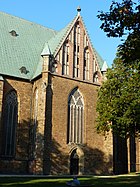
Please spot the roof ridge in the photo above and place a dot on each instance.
(99, 58)
(28, 21)
(68, 28)
(54, 47)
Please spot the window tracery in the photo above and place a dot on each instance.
(76, 117)
(10, 116)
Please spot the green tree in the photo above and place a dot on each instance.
(118, 104)
(123, 19)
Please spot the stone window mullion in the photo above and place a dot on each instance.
(76, 125)
(73, 125)
(82, 125)
(11, 130)
(79, 124)
(70, 124)
(14, 129)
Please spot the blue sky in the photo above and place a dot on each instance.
(56, 14)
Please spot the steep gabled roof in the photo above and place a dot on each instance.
(21, 43)
(56, 42)
(99, 59)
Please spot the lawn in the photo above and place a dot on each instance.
(107, 181)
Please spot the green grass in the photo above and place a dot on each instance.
(111, 181)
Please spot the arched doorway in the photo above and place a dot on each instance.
(74, 163)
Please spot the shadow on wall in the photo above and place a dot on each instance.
(49, 152)
(59, 159)
(55, 161)
(95, 161)
(18, 162)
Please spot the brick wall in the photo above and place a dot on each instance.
(24, 93)
(97, 158)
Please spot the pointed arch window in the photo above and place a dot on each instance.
(86, 64)
(75, 117)
(65, 68)
(77, 35)
(10, 118)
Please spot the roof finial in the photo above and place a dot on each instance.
(78, 10)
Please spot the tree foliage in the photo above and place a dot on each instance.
(123, 19)
(118, 104)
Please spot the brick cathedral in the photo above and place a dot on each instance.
(48, 92)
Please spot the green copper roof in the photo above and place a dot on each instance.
(46, 50)
(21, 44)
(99, 59)
(1, 78)
(55, 43)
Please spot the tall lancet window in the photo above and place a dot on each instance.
(10, 119)
(65, 67)
(76, 70)
(75, 117)
(86, 64)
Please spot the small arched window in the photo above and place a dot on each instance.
(10, 118)
(96, 77)
(75, 117)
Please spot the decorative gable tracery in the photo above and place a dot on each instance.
(76, 58)
(76, 69)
